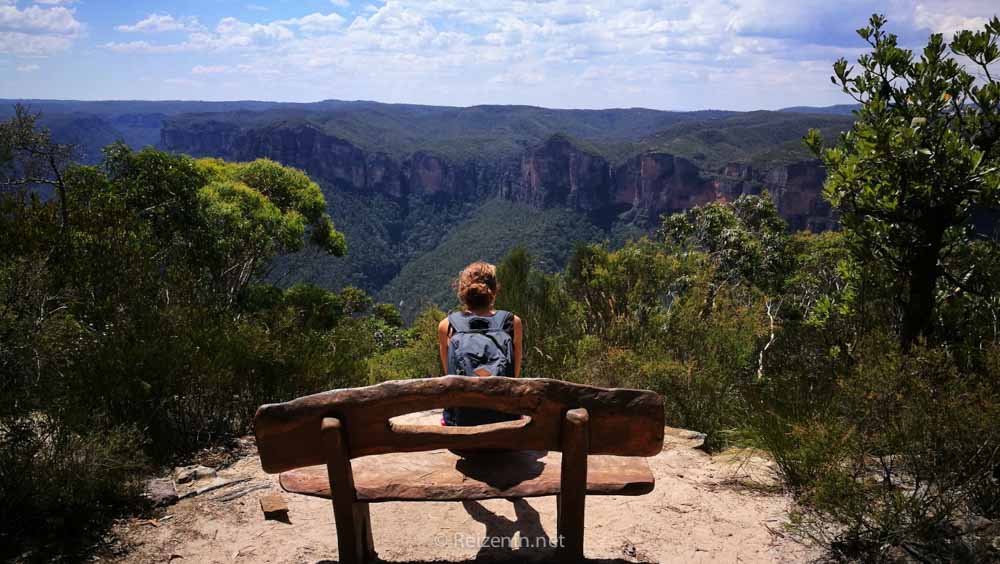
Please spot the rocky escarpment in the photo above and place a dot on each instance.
(795, 188)
(554, 173)
(329, 159)
(557, 173)
(654, 183)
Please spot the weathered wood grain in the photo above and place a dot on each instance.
(354, 526)
(622, 422)
(574, 477)
(440, 475)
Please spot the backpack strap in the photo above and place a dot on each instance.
(500, 321)
(459, 322)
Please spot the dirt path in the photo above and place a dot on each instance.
(698, 512)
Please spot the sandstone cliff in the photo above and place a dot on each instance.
(554, 173)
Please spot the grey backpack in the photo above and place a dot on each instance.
(480, 346)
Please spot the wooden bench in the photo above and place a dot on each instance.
(574, 440)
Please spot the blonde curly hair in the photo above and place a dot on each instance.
(477, 285)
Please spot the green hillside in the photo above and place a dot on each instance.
(763, 138)
(477, 132)
(710, 137)
(382, 236)
(489, 234)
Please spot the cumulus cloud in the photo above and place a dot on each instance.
(230, 34)
(234, 34)
(37, 30)
(158, 23)
(16, 43)
(37, 19)
(316, 22)
(942, 19)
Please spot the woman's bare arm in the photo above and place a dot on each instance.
(518, 338)
(443, 344)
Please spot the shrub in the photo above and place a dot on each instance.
(903, 453)
(57, 485)
(134, 326)
(417, 358)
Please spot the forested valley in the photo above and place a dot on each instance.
(141, 317)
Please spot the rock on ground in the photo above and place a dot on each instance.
(185, 474)
(161, 491)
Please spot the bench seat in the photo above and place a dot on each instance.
(440, 475)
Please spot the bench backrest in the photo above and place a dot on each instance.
(622, 422)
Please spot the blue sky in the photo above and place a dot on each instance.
(667, 54)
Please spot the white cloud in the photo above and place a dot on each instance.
(17, 43)
(37, 19)
(230, 34)
(53, 2)
(234, 34)
(341, 3)
(140, 47)
(36, 30)
(316, 22)
(158, 23)
(28, 68)
(947, 20)
(239, 31)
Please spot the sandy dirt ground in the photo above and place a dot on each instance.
(704, 509)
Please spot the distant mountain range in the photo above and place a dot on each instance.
(422, 190)
(839, 109)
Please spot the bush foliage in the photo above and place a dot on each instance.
(135, 326)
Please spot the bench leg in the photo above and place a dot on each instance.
(354, 526)
(363, 527)
(572, 498)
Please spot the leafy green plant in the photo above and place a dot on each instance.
(902, 457)
(921, 157)
(135, 325)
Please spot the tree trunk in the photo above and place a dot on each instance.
(919, 313)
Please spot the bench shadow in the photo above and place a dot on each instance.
(526, 524)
